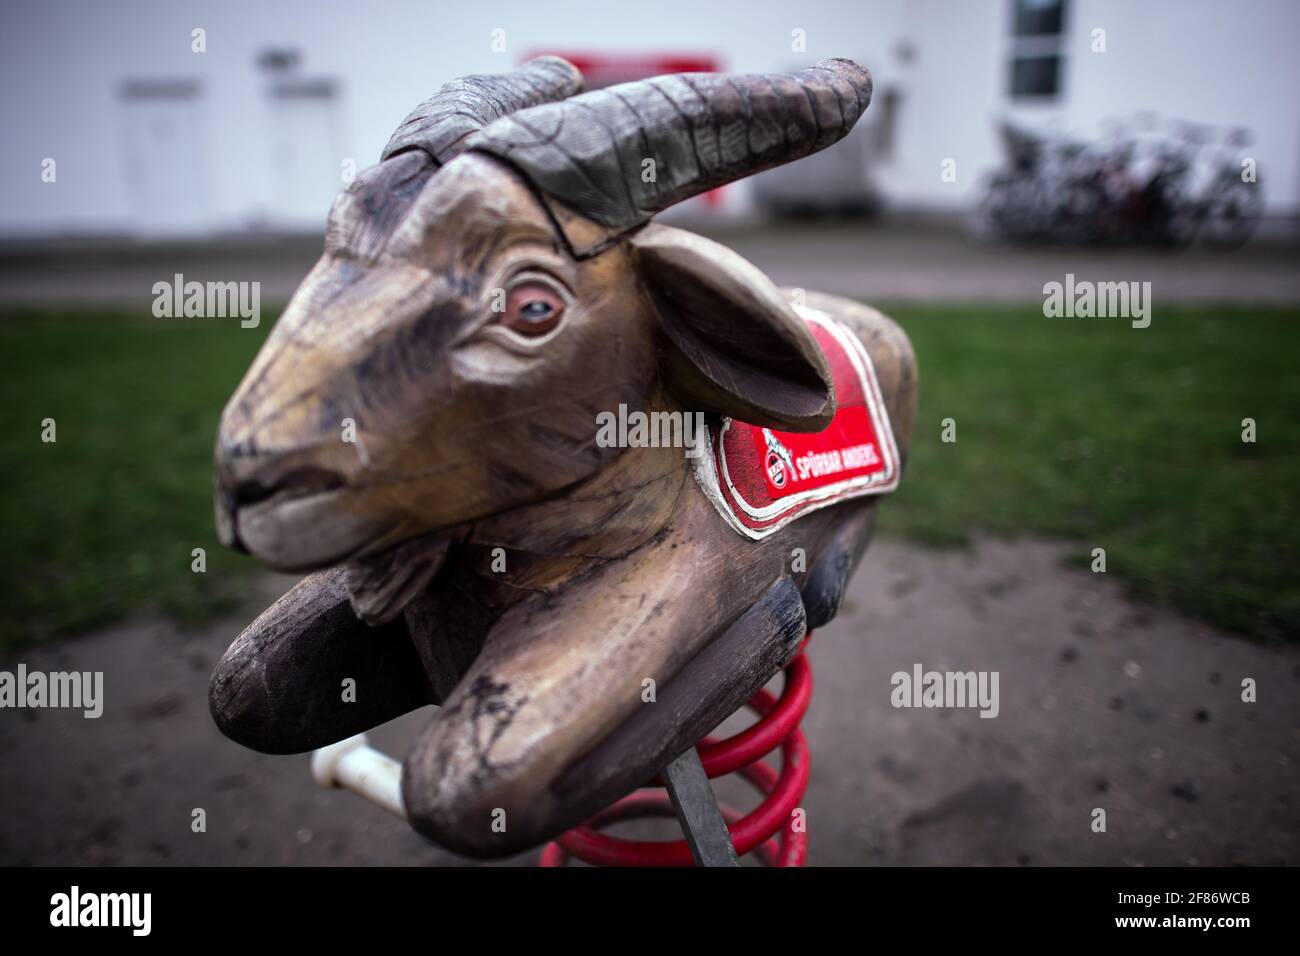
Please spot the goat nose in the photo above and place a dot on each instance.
(226, 522)
(236, 462)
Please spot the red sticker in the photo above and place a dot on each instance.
(761, 479)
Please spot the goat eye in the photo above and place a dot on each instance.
(533, 309)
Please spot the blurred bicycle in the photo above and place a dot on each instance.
(1147, 183)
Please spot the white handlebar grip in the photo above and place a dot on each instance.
(354, 765)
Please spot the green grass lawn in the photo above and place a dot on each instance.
(102, 522)
(1085, 430)
(1125, 439)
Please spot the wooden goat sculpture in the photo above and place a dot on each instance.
(420, 433)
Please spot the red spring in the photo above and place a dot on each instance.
(778, 725)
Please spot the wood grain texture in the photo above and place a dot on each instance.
(279, 688)
(737, 347)
(440, 125)
(409, 438)
(704, 693)
(698, 130)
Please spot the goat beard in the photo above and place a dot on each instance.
(380, 586)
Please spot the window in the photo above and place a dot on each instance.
(1037, 48)
(304, 139)
(1036, 18)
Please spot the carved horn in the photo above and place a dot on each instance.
(441, 124)
(701, 130)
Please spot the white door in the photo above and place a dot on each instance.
(306, 158)
(164, 160)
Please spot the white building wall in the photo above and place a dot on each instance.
(62, 61)
(949, 91)
(1228, 62)
(1212, 61)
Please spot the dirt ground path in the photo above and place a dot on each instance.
(1103, 704)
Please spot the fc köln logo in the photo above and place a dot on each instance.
(776, 469)
(780, 463)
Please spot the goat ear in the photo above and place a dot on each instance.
(735, 346)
